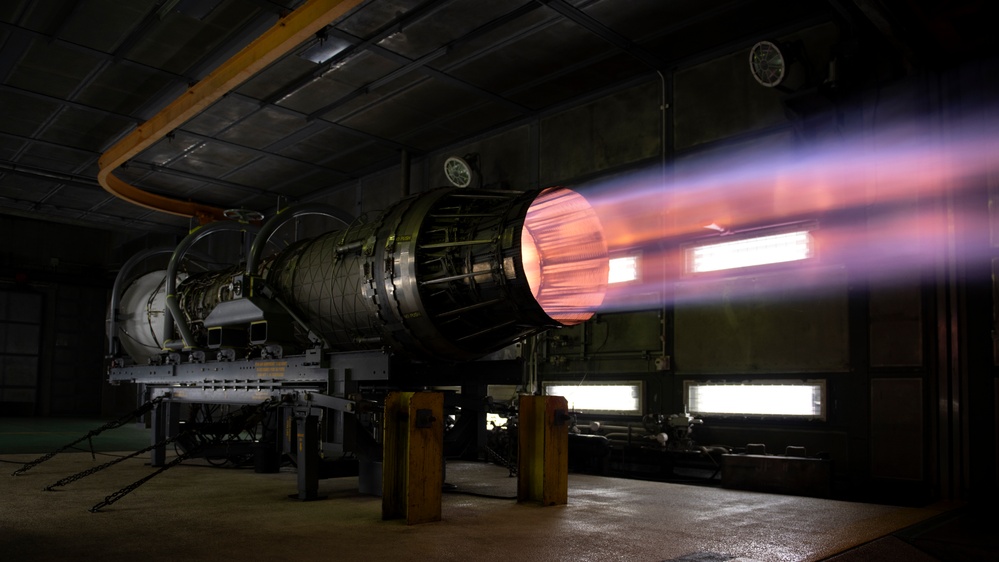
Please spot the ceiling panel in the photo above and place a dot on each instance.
(388, 121)
(263, 128)
(359, 161)
(212, 159)
(169, 148)
(532, 57)
(51, 69)
(452, 21)
(531, 18)
(177, 42)
(11, 10)
(316, 94)
(123, 89)
(23, 115)
(42, 16)
(276, 76)
(300, 186)
(635, 19)
(603, 70)
(221, 115)
(24, 189)
(268, 173)
(55, 158)
(321, 145)
(163, 181)
(84, 129)
(10, 147)
(115, 19)
(467, 120)
(373, 15)
(75, 197)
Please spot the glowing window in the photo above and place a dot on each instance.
(748, 252)
(762, 398)
(623, 269)
(602, 398)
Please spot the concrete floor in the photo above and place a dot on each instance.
(198, 512)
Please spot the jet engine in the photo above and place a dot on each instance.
(447, 275)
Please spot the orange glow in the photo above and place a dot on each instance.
(564, 255)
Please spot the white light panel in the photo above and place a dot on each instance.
(604, 398)
(762, 250)
(623, 269)
(760, 399)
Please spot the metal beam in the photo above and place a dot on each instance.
(284, 36)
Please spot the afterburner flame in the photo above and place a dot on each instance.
(564, 255)
(892, 203)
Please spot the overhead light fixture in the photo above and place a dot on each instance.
(325, 48)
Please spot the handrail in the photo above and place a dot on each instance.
(288, 33)
(173, 311)
(283, 217)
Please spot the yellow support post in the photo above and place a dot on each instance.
(412, 467)
(543, 458)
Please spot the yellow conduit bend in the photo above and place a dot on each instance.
(288, 33)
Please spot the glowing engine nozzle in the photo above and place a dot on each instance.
(564, 255)
(449, 274)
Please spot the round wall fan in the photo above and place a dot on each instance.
(767, 63)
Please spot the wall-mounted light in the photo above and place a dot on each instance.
(801, 399)
(623, 269)
(599, 397)
(782, 247)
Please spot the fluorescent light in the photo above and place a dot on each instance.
(623, 269)
(748, 252)
(324, 49)
(794, 399)
(624, 398)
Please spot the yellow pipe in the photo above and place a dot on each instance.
(287, 34)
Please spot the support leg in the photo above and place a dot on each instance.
(543, 457)
(165, 423)
(412, 476)
(307, 450)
